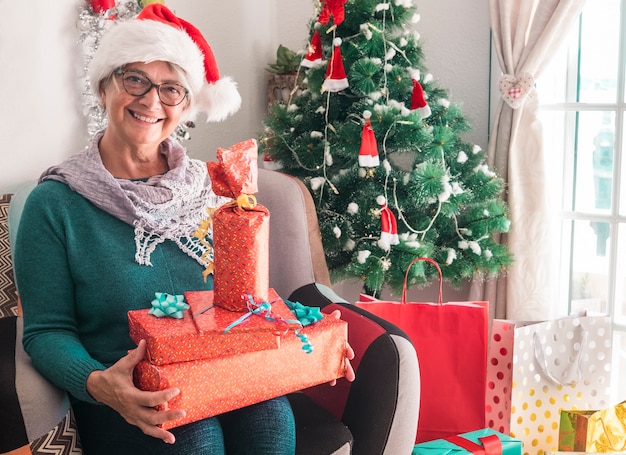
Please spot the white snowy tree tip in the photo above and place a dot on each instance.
(316, 183)
(414, 73)
(363, 255)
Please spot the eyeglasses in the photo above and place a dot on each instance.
(137, 84)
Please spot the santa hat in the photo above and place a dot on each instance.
(368, 154)
(336, 79)
(270, 163)
(389, 227)
(159, 35)
(314, 56)
(418, 101)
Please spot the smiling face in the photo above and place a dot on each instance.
(141, 122)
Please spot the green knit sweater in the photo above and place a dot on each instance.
(77, 279)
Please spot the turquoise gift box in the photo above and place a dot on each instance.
(480, 442)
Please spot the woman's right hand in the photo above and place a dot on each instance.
(115, 388)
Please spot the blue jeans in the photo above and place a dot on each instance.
(267, 428)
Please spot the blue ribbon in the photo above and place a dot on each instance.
(253, 308)
(306, 315)
(167, 305)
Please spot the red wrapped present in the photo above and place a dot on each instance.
(211, 387)
(240, 229)
(200, 332)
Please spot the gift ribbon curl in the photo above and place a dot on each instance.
(305, 316)
(167, 305)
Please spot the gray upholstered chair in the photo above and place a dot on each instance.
(380, 409)
(376, 414)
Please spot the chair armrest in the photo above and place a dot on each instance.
(381, 406)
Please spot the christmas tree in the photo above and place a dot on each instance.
(379, 146)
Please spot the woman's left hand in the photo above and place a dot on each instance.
(349, 355)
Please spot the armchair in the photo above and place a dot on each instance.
(376, 414)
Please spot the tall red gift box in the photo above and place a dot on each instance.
(200, 333)
(241, 229)
(241, 254)
(214, 386)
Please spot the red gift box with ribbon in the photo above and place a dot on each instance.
(199, 334)
(241, 229)
(214, 386)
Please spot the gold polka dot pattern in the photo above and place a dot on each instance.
(526, 362)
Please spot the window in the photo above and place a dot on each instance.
(583, 109)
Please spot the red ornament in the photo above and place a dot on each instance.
(368, 154)
(336, 79)
(389, 228)
(102, 6)
(418, 100)
(334, 8)
(314, 54)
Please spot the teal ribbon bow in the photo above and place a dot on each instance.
(167, 305)
(263, 308)
(306, 314)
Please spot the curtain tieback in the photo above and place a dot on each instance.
(515, 90)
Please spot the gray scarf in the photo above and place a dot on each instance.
(169, 206)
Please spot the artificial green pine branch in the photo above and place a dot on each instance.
(447, 202)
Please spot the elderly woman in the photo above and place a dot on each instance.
(110, 226)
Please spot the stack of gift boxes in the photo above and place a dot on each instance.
(239, 344)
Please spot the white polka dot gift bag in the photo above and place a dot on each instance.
(536, 369)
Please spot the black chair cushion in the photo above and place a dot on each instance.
(317, 431)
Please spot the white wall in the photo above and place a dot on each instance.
(40, 64)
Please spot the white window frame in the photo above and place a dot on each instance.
(562, 257)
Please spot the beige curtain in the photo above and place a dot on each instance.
(526, 33)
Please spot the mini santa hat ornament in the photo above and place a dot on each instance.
(270, 163)
(336, 79)
(157, 34)
(314, 56)
(418, 100)
(368, 154)
(389, 226)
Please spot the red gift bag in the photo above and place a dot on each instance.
(451, 341)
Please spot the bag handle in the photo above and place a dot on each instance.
(406, 278)
(573, 374)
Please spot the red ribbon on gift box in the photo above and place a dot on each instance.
(491, 445)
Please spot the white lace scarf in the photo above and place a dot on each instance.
(171, 206)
